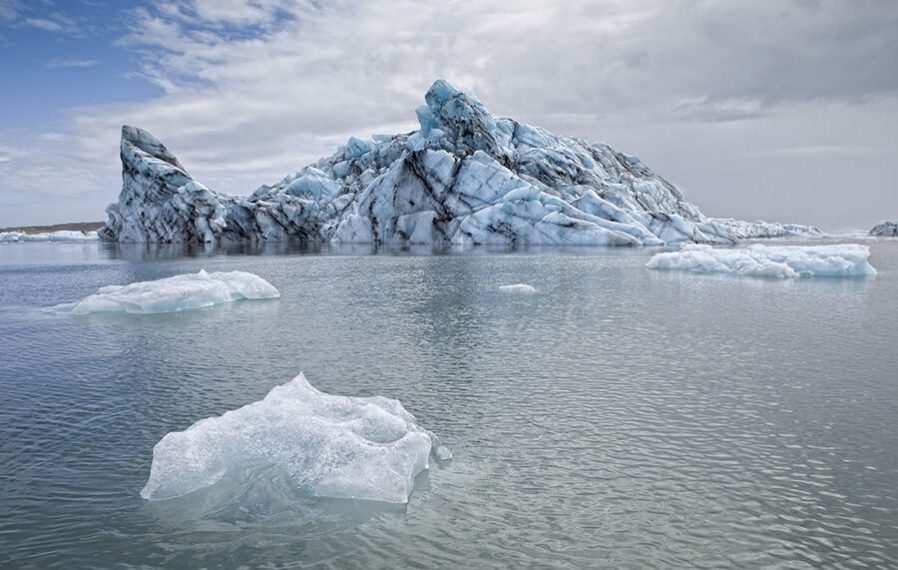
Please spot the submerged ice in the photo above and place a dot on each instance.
(178, 293)
(327, 445)
(465, 177)
(844, 260)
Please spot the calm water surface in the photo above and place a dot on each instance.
(619, 418)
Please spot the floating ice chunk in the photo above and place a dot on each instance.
(329, 446)
(885, 228)
(61, 235)
(178, 293)
(518, 288)
(844, 260)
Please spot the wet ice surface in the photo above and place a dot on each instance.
(621, 417)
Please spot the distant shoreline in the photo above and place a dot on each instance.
(72, 226)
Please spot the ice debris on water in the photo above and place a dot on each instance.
(518, 288)
(174, 294)
(843, 260)
(60, 235)
(464, 178)
(327, 445)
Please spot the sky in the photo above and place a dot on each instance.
(785, 110)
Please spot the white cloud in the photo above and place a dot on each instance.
(43, 24)
(250, 94)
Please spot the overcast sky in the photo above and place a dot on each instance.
(782, 110)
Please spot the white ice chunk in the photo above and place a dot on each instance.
(178, 293)
(328, 445)
(843, 260)
(61, 235)
(518, 288)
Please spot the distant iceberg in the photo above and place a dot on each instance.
(328, 446)
(464, 178)
(174, 294)
(845, 260)
(518, 288)
(886, 228)
(61, 235)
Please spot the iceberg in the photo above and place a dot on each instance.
(518, 288)
(464, 178)
(174, 294)
(843, 260)
(327, 445)
(61, 235)
(886, 228)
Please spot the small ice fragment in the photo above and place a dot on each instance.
(173, 294)
(518, 288)
(843, 260)
(328, 445)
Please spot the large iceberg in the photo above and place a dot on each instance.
(465, 177)
(886, 228)
(843, 260)
(61, 235)
(174, 294)
(327, 445)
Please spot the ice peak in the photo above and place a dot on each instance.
(459, 115)
(144, 141)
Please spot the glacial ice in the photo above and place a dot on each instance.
(173, 294)
(464, 178)
(843, 260)
(886, 228)
(61, 235)
(518, 288)
(328, 446)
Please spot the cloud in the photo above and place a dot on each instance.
(9, 10)
(43, 24)
(820, 151)
(253, 89)
(71, 62)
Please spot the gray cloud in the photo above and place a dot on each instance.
(700, 89)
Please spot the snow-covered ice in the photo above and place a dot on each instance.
(61, 235)
(173, 294)
(328, 445)
(886, 228)
(464, 178)
(518, 288)
(843, 260)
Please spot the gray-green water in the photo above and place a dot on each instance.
(619, 418)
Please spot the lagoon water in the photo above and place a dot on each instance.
(619, 417)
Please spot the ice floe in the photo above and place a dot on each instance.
(842, 260)
(173, 294)
(327, 445)
(61, 235)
